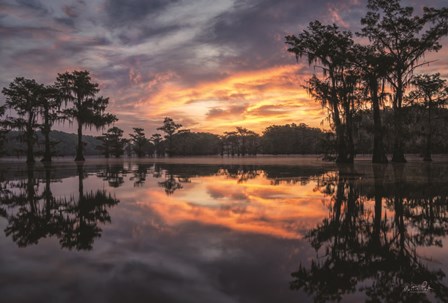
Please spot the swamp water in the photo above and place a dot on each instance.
(130, 231)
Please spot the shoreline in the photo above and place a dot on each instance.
(287, 160)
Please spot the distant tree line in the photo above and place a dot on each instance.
(64, 144)
(288, 139)
(277, 139)
(293, 139)
(356, 76)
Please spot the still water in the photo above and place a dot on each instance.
(145, 232)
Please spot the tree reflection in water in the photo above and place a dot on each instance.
(368, 243)
(113, 174)
(240, 173)
(34, 213)
(170, 184)
(374, 249)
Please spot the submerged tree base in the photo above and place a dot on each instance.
(381, 158)
(342, 159)
(80, 158)
(399, 158)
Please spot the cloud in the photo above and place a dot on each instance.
(230, 112)
(121, 13)
(202, 62)
(251, 99)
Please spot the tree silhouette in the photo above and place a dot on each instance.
(3, 130)
(373, 251)
(50, 107)
(430, 93)
(116, 141)
(33, 214)
(156, 139)
(243, 133)
(328, 46)
(240, 142)
(169, 128)
(139, 141)
(24, 96)
(231, 143)
(396, 32)
(88, 110)
(373, 68)
(292, 139)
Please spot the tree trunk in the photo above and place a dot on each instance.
(29, 145)
(29, 140)
(340, 140)
(47, 152)
(349, 132)
(46, 132)
(398, 154)
(79, 149)
(379, 155)
(427, 156)
(341, 148)
(170, 146)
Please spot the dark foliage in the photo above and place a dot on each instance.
(78, 90)
(292, 139)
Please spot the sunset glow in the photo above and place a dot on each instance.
(209, 66)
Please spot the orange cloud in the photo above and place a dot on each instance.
(255, 206)
(253, 99)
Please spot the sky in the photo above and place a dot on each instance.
(209, 65)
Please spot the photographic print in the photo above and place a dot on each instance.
(227, 151)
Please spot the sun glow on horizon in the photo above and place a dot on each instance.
(253, 99)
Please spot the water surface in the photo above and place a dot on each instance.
(129, 231)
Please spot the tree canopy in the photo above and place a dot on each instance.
(86, 108)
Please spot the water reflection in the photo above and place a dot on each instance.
(364, 231)
(171, 183)
(34, 213)
(113, 174)
(374, 249)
